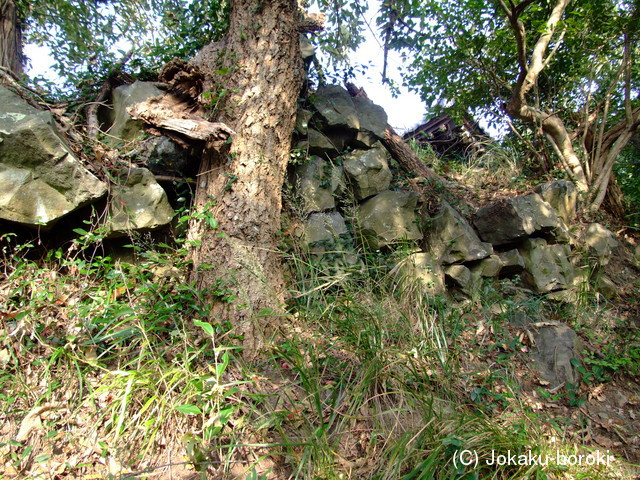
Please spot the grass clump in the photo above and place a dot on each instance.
(119, 370)
(389, 386)
(116, 360)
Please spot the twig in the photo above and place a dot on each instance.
(93, 127)
(25, 93)
(169, 178)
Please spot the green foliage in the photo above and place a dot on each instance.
(493, 57)
(87, 38)
(343, 34)
(134, 338)
(616, 358)
(465, 54)
(365, 381)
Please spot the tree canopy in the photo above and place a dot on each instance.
(86, 38)
(561, 70)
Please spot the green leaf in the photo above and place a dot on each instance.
(207, 327)
(222, 366)
(45, 457)
(212, 222)
(189, 409)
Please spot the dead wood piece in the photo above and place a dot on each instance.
(406, 157)
(32, 420)
(183, 78)
(312, 22)
(171, 178)
(170, 113)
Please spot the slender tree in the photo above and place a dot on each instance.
(10, 37)
(591, 173)
(561, 70)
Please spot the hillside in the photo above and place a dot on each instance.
(402, 352)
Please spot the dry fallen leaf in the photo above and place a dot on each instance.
(32, 421)
(597, 393)
(5, 358)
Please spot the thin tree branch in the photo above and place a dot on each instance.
(387, 40)
(555, 49)
(521, 39)
(537, 62)
(627, 79)
(93, 126)
(598, 163)
(518, 9)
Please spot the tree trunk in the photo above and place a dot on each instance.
(240, 185)
(407, 158)
(10, 38)
(614, 199)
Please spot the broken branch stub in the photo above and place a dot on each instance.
(169, 113)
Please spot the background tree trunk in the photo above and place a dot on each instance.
(240, 185)
(10, 38)
(614, 200)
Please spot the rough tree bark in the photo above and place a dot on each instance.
(240, 186)
(10, 38)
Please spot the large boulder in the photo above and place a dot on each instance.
(335, 108)
(488, 267)
(562, 195)
(461, 277)
(452, 240)
(164, 156)
(122, 125)
(41, 178)
(138, 202)
(373, 122)
(547, 267)
(507, 221)
(348, 122)
(557, 348)
(317, 181)
(368, 171)
(599, 242)
(388, 218)
(317, 143)
(512, 262)
(329, 240)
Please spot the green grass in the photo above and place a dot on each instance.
(125, 372)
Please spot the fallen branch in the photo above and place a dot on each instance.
(169, 178)
(406, 157)
(403, 153)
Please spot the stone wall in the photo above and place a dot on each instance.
(526, 238)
